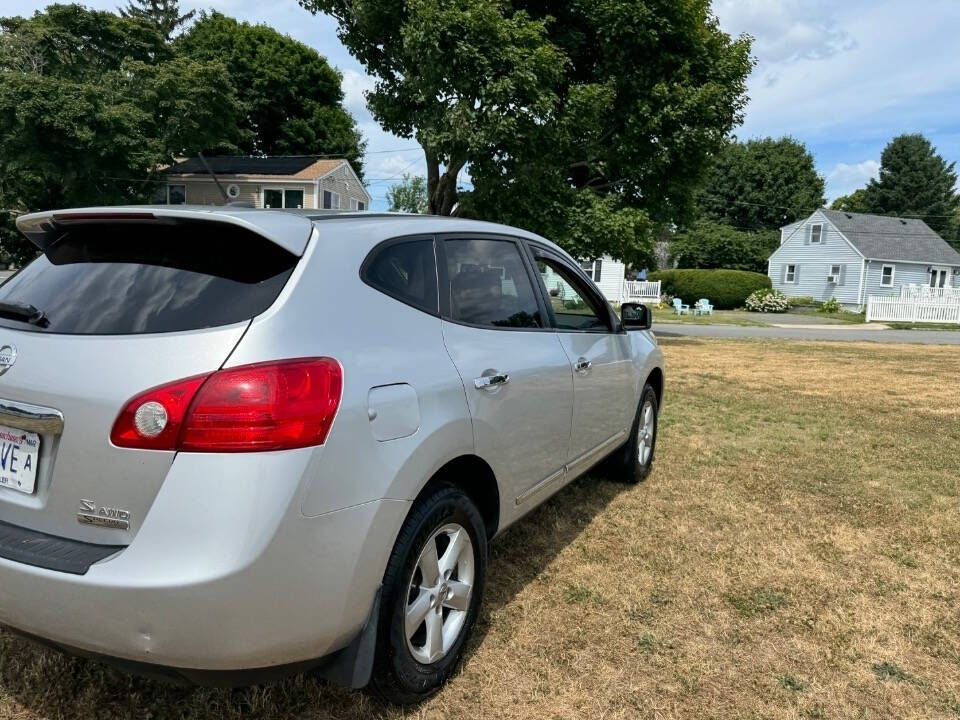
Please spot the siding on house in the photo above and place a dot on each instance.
(814, 262)
(904, 274)
(612, 273)
(205, 192)
(610, 284)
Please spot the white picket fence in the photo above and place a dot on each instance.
(929, 294)
(642, 290)
(913, 310)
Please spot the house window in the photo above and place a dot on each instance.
(886, 276)
(816, 234)
(272, 198)
(280, 198)
(293, 198)
(357, 204)
(331, 200)
(176, 194)
(592, 269)
(836, 271)
(790, 274)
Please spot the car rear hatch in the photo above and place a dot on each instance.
(120, 301)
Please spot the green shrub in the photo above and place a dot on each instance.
(830, 306)
(726, 289)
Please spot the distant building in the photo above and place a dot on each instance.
(851, 256)
(267, 182)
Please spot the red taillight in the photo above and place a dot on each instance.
(267, 406)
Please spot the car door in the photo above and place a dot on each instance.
(599, 352)
(516, 375)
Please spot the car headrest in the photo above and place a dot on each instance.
(476, 296)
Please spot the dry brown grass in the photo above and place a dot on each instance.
(795, 554)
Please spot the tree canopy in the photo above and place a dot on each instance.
(709, 245)
(163, 15)
(761, 184)
(91, 104)
(608, 106)
(292, 100)
(914, 181)
(854, 202)
(409, 196)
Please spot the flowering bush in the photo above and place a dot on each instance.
(768, 301)
(666, 301)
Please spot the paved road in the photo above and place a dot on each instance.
(843, 333)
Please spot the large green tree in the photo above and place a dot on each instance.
(164, 15)
(708, 244)
(761, 184)
(292, 99)
(92, 103)
(606, 106)
(855, 202)
(409, 196)
(914, 181)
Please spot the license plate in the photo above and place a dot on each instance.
(19, 452)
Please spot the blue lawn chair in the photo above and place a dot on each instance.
(703, 307)
(680, 307)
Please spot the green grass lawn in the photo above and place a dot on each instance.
(719, 317)
(794, 554)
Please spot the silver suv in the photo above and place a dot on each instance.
(236, 443)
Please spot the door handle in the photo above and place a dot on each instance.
(488, 382)
(582, 366)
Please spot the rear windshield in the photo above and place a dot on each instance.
(129, 279)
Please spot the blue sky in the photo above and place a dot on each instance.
(843, 78)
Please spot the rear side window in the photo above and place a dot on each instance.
(130, 279)
(489, 285)
(405, 270)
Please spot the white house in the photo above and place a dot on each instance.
(851, 256)
(610, 277)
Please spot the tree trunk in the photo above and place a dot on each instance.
(441, 187)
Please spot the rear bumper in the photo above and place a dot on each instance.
(225, 574)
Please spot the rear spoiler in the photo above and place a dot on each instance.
(289, 231)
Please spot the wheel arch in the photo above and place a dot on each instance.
(655, 380)
(475, 477)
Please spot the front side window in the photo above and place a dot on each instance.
(886, 276)
(816, 234)
(176, 194)
(574, 308)
(489, 285)
(790, 274)
(406, 271)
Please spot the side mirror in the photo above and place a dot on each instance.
(636, 316)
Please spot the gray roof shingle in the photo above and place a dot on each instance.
(882, 237)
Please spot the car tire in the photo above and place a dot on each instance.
(416, 657)
(633, 462)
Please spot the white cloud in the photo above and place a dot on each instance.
(355, 84)
(786, 30)
(844, 178)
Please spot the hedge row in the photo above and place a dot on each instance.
(726, 289)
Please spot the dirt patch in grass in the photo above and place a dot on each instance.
(795, 554)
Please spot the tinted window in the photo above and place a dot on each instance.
(131, 279)
(406, 271)
(574, 308)
(489, 285)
